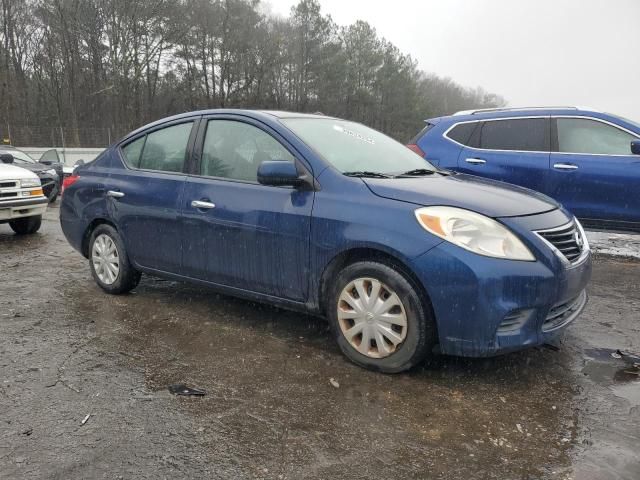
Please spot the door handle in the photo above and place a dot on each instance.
(115, 194)
(565, 166)
(203, 205)
(476, 161)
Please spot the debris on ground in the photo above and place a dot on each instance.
(85, 419)
(182, 389)
(333, 382)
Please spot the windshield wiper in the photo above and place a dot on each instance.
(367, 174)
(418, 172)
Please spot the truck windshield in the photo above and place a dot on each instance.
(352, 147)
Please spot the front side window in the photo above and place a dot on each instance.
(163, 150)
(352, 147)
(522, 134)
(581, 135)
(235, 150)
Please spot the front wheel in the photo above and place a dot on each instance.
(26, 225)
(108, 261)
(379, 319)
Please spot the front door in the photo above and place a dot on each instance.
(594, 173)
(237, 232)
(514, 150)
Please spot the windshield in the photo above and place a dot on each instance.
(351, 147)
(19, 157)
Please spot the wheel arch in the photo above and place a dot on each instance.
(86, 236)
(353, 255)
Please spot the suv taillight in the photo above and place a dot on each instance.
(415, 148)
(70, 180)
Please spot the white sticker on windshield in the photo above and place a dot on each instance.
(353, 134)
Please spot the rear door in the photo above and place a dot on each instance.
(237, 232)
(144, 195)
(593, 172)
(513, 150)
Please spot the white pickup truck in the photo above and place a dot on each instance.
(22, 201)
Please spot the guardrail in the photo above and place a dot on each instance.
(69, 156)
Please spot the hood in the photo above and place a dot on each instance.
(34, 167)
(12, 172)
(488, 197)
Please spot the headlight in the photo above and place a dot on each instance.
(50, 171)
(473, 232)
(29, 182)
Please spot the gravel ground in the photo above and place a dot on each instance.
(67, 351)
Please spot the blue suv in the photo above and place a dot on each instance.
(587, 160)
(330, 217)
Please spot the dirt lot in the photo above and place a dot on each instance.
(67, 350)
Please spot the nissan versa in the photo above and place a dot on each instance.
(331, 217)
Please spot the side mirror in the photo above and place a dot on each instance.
(6, 158)
(279, 174)
(635, 147)
(46, 162)
(79, 163)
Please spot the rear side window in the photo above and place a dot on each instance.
(580, 135)
(164, 150)
(462, 132)
(524, 134)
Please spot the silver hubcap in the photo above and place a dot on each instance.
(105, 259)
(372, 317)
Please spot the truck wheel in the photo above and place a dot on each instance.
(26, 225)
(109, 263)
(378, 318)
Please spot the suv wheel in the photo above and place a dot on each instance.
(109, 263)
(26, 225)
(378, 318)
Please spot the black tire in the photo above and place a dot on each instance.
(421, 334)
(26, 225)
(128, 277)
(53, 198)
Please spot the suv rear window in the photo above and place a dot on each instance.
(523, 134)
(421, 133)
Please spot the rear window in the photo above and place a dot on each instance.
(421, 133)
(523, 134)
(462, 132)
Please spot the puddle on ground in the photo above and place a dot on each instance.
(618, 374)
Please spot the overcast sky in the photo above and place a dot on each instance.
(533, 52)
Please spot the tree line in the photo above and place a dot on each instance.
(122, 63)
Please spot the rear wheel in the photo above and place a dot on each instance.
(26, 225)
(108, 261)
(379, 319)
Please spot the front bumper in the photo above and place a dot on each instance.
(22, 208)
(486, 306)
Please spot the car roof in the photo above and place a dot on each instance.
(256, 114)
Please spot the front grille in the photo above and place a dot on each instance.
(5, 195)
(565, 312)
(9, 184)
(567, 239)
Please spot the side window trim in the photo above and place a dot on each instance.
(483, 121)
(556, 146)
(188, 152)
(201, 136)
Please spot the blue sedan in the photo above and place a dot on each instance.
(330, 217)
